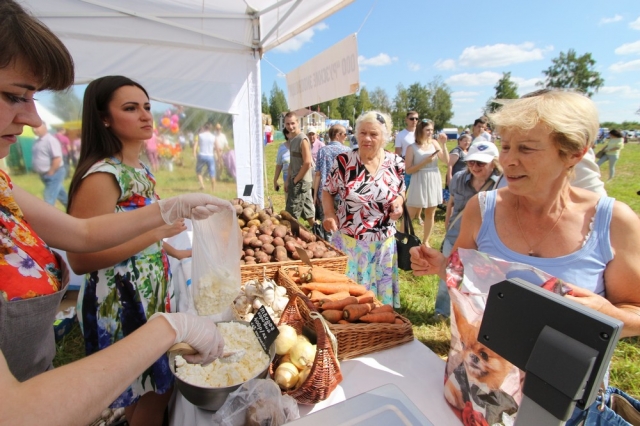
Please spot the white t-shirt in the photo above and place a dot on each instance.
(221, 142)
(404, 139)
(205, 144)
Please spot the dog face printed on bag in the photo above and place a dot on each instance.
(482, 366)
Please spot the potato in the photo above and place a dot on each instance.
(262, 216)
(262, 257)
(329, 253)
(280, 231)
(254, 222)
(295, 255)
(288, 238)
(312, 246)
(255, 243)
(238, 209)
(266, 229)
(241, 223)
(286, 223)
(266, 239)
(249, 259)
(290, 246)
(248, 238)
(245, 204)
(318, 254)
(281, 254)
(277, 241)
(306, 236)
(249, 252)
(242, 262)
(236, 201)
(268, 248)
(268, 221)
(247, 214)
(309, 254)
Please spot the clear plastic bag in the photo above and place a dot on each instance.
(215, 273)
(258, 402)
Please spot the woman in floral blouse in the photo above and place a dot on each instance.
(370, 185)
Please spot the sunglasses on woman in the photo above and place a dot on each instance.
(473, 163)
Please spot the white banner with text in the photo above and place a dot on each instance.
(329, 75)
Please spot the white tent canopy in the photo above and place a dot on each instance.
(200, 53)
(47, 116)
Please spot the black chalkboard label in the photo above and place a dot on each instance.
(264, 328)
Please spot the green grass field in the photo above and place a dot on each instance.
(417, 293)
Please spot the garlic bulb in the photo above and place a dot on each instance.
(286, 375)
(257, 303)
(280, 303)
(281, 291)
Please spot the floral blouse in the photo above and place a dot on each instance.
(363, 213)
(27, 266)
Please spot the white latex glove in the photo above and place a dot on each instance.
(199, 332)
(191, 206)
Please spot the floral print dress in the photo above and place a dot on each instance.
(114, 302)
(365, 231)
(28, 268)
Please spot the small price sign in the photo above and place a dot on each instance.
(264, 328)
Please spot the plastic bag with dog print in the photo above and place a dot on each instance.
(483, 387)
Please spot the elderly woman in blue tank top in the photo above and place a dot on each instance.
(588, 240)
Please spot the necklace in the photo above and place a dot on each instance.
(370, 167)
(531, 252)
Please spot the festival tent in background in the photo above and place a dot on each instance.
(199, 53)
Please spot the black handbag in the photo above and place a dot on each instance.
(405, 241)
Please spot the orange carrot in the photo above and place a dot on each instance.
(357, 289)
(364, 299)
(381, 309)
(338, 304)
(326, 288)
(332, 315)
(343, 322)
(398, 321)
(368, 293)
(323, 275)
(353, 312)
(316, 295)
(384, 317)
(330, 297)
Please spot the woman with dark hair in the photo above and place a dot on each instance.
(33, 59)
(612, 151)
(421, 161)
(125, 285)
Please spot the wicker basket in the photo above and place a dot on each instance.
(325, 373)
(355, 339)
(270, 270)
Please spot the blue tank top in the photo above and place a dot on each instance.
(584, 267)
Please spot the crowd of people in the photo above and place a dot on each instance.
(543, 180)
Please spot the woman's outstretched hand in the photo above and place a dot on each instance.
(191, 206)
(427, 261)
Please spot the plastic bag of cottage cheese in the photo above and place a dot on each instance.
(215, 270)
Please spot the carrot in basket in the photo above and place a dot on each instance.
(338, 304)
(323, 275)
(364, 299)
(398, 321)
(381, 309)
(366, 294)
(316, 296)
(332, 315)
(331, 297)
(384, 317)
(326, 288)
(353, 312)
(343, 322)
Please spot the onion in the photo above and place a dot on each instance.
(286, 375)
(286, 339)
(303, 376)
(302, 354)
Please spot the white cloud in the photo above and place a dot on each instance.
(463, 94)
(605, 21)
(628, 48)
(413, 66)
(525, 85)
(500, 55)
(463, 100)
(626, 66)
(294, 44)
(445, 64)
(486, 78)
(626, 92)
(635, 24)
(376, 61)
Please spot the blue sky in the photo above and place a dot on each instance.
(470, 44)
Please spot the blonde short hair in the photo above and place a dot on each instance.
(571, 117)
(376, 117)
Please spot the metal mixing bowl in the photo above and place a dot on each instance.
(213, 398)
